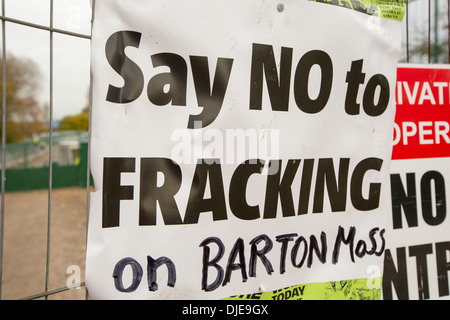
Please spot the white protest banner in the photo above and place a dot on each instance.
(417, 254)
(241, 147)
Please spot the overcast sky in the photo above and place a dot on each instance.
(72, 55)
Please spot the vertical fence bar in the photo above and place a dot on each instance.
(436, 33)
(429, 31)
(407, 31)
(88, 173)
(50, 158)
(2, 222)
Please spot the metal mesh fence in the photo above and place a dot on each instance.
(426, 39)
(22, 153)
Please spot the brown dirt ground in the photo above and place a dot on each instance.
(25, 243)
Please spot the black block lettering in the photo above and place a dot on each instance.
(238, 187)
(197, 204)
(355, 77)
(398, 277)
(211, 101)
(167, 87)
(443, 267)
(263, 63)
(282, 187)
(337, 188)
(426, 196)
(151, 194)
(373, 200)
(301, 81)
(421, 252)
(404, 200)
(113, 192)
(124, 66)
(370, 107)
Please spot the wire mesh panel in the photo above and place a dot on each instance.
(43, 230)
(43, 226)
(425, 32)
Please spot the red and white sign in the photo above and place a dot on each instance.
(418, 246)
(422, 128)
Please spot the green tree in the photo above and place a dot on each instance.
(76, 122)
(24, 114)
